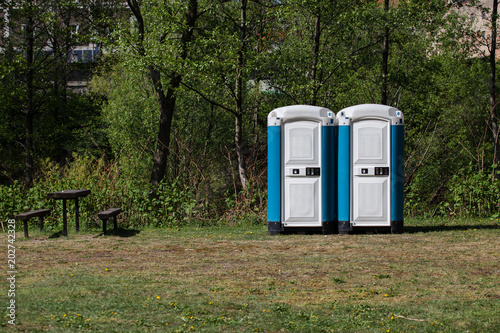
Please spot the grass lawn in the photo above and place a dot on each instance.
(439, 276)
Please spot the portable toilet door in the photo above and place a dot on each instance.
(301, 168)
(370, 167)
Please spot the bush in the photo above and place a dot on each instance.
(473, 194)
(171, 205)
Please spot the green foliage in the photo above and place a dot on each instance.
(284, 52)
(172, 205)
(130, 115)
(473, 193)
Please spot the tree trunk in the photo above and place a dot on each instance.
(385, 58)
(493, 103)
(166, 103)
(314, 67)
(238, 126)
(30, 104)
(166, 100)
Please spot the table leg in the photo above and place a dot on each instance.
(77, 215)
(25, 222)
(65, 219)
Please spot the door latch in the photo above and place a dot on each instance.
(382, 171)
(313, 171)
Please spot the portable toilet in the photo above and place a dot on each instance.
(370, 167)
(301, 168)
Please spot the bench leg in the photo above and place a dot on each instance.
(77, 215)
(41, 223)
(114, 223)
(25, 222)
(65, 219)
(104, 226)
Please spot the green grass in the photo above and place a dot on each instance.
(439, 276)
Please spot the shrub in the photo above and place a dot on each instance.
(473, 194)
(172, 205)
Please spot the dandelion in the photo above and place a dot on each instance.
(210, 303)
(158, 297)
(72, 274)
(107, 269)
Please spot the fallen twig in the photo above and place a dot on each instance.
(413, 319)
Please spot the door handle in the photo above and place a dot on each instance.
(382, 171)
(371, 171)
(313, 171)
(302, 172)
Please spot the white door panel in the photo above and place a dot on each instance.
(302, 173)
(370, 183)
(303, 203)
(370, 205)
(372, 142)
(301, 142)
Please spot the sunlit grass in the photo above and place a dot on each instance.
(439, 276)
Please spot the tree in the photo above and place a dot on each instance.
(321, 45)
(230, 57)
(163, 71)
(385, 58)
(486, 48)
(38, 39)
(495, 130)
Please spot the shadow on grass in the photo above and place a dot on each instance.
(56, 235)
(434, 228)
(120, 232)
(406, 229)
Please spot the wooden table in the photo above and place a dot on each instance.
(69, 194)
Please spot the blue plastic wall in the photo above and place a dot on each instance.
(397, 172)
(274, 173)
(343, 172)
(328, 200)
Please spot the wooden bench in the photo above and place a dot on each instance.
(26, 216)
(105, 215)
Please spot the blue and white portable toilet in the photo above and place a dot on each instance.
(301, 168)
(370, 167)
